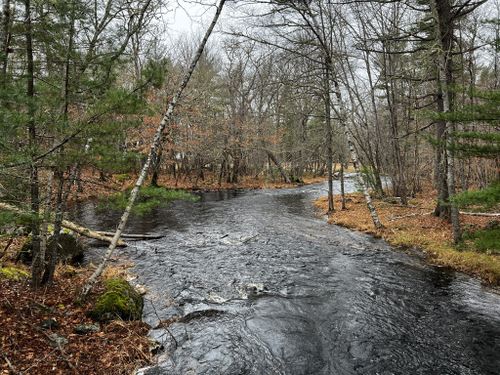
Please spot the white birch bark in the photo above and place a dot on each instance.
(152, 153)
(319, 32)
(355, 161)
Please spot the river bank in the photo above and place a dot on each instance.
(48, 331)
(414, 226)
(93, 187)
(126, 344)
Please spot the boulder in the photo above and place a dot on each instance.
(70, 249)
(119, 300)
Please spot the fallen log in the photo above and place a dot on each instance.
(410, 215)
(89, 233)
(134, 236)
(486, 214)
(70, 225)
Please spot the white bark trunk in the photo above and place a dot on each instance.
(355, 160)
(152, 152)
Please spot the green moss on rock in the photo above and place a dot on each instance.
(13, 273)
(119, 300)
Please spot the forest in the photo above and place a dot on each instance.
(112, 101)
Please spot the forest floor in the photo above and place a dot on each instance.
(38, 330)
(414, 226)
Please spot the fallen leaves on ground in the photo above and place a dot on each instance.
(26, 347)
(415, 226)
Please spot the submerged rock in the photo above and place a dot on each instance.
(119, 300)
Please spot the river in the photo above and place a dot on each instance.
(265, 286)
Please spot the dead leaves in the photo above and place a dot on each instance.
(118, 348)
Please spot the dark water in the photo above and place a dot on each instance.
(266, 287)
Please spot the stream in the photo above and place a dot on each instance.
(258, 283)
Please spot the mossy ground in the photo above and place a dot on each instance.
(415, 226)
(119, 347)
(13, 273)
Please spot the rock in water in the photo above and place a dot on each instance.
(119, 300)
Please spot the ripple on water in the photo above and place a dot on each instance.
(328, 301)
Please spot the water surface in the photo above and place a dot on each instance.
(265, 286)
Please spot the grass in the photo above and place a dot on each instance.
(415, 227)
(485, 240)
(149, 198)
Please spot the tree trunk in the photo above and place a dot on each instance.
(38, 261)
(444, 38)
(50, 265)
(154, 147)
(5, 41)
(276, 162)
(342, 186)
(328, 136)
(442, 209)
(354, 158)
(156, 167)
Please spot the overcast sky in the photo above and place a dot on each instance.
(191, 17)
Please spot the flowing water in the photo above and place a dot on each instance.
(259, 284)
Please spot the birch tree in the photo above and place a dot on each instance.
(152, 152)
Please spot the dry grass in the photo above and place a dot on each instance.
(415, 226)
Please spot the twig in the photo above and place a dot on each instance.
(61, 350)
(487, 214)
(63, 355)
(12, 368)
(134, 236)
(410, 215)
(164, 327)
(7, 246)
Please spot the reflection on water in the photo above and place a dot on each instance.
(299, 296)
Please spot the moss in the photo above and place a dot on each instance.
(13, 273)
(119, 300)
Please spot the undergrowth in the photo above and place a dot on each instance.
(484, 240)
(149, 198)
